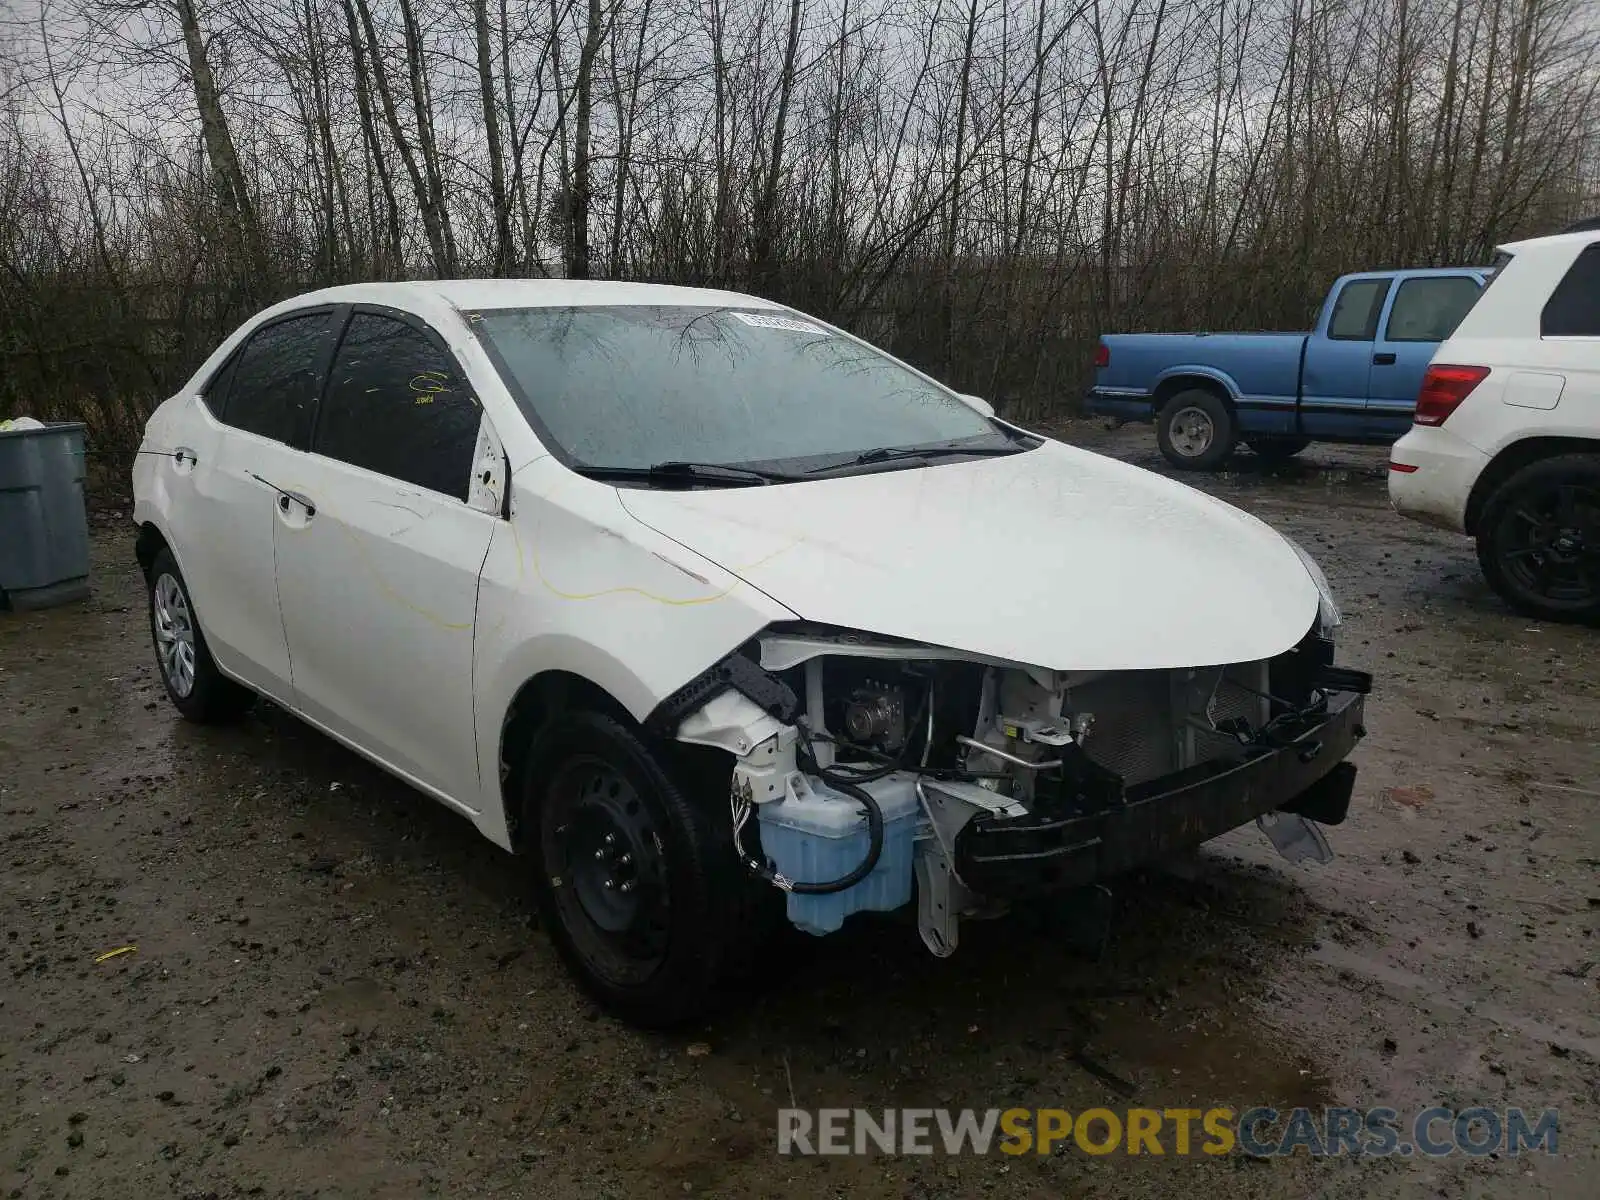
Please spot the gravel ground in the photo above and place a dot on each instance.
(338, 989)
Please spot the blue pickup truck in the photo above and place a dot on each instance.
(1354, 378)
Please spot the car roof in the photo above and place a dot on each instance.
(475, 294)
(1555, 240)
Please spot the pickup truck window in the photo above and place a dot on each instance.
(1428, 310)
(1355, 312)
(1573, 309)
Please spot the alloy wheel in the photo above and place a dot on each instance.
(174, 632)
(1552, 544)
(1191, 431)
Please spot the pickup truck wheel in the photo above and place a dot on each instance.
(1539, 539)
(1277, 449)
(1196, 431)
(196, 688)
(638, 884)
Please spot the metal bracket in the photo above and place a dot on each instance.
(942, 898)
(939, 897)
(951, 804)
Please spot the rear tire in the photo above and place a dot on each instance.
(1277, 449)
(1539, 539)
(195, 686)
(637, 882)
(1196, 430)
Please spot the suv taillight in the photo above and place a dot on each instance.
(1102, 356)
(1444, 387)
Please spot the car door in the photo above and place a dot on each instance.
(238, 443)
(380, 551)
(1422, 312)
(1338, 361)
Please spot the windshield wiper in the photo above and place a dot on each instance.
(685, 474)
(895, 453)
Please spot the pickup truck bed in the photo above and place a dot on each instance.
(1354, 378)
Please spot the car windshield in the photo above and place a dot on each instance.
(634, 385)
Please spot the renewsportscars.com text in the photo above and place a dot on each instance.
(1259, 1132)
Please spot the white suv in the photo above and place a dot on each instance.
(1506, 441)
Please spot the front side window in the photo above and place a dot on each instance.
(633, 385)
(1573, 309)
(276, 377)
(397, 404)
(1428, 310)
(1355, 312)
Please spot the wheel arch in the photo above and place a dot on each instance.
(555, 691)
(148, 544)
(1513, 458)
(1183, 379)
(538, 699)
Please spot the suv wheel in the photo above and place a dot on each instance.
(1539, 539)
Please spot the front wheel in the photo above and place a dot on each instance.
(637, 881)
(1539, 539)
(1196, 430)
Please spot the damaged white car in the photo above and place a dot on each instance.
(712, 610)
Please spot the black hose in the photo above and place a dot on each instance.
(807, 760)
(868, 862)
(848, 781)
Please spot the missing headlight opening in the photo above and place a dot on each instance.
(880, 772)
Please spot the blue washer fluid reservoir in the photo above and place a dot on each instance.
(815, 834)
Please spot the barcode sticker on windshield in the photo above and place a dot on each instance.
(763, 321)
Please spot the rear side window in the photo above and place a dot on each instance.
(1573, 309)
(399, 405)
(216, 392)
(276, 377)
(1355, 312)
(1428, 310)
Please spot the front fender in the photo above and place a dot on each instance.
(574, 584)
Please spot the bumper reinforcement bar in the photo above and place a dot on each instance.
(1020, 856)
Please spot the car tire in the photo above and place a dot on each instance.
(197, 689)
(1277, 449)
(1539, 539)
(1196, 430)
(635, 875)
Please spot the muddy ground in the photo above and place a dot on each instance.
(338, 990)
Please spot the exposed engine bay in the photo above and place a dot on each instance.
(867, 763)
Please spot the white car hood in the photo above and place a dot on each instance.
(1056, 558)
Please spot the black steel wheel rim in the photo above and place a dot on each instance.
(605, 858)
(1551, 544)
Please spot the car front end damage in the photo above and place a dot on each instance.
(862, 763)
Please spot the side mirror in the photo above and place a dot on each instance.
(979, 403)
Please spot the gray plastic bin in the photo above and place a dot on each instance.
(44, 529)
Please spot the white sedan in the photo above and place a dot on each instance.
(719, 615)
